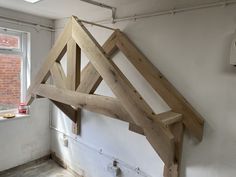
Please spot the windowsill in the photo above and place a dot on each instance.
(14, 111)
(18, 116)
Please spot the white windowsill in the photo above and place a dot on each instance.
(14, 111)
(18, 116)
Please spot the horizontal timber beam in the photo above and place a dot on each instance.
(55, 54)
(100, 104)
(107, 106)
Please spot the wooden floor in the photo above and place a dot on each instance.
(43, 169)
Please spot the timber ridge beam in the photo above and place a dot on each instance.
(74, 90)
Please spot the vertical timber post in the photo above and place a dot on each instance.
(178, 131)
(73, 77)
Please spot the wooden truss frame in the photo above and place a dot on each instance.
(75, 90)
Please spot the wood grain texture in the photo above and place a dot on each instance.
(171, 171)
(73, 65)
(55, 54)
(174, 171)
(100, 104)
(67, 110)
(168, 118)
(90, 78)
(164, 131)
(73, 78)
(160, 138)
(58, 75)
(60, 81)
(192, 120)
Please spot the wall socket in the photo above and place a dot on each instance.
(114, 169)
(65, 141)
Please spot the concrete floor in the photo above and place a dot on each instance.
(43, 169)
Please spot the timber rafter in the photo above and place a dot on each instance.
(74, 90)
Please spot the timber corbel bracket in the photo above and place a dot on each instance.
(74, 91)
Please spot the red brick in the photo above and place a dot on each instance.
(10, 67)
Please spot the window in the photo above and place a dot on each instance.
(14, 68)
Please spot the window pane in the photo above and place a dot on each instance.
(10, 84)
(9, 41)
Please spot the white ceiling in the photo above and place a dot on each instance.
(56, 9)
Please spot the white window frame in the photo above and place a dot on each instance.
(24, 53)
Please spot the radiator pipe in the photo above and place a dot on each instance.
(170, 11)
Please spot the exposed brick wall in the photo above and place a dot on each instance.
(10, 69)
(7, 41)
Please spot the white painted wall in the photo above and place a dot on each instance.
(26, 139)
(192, 50)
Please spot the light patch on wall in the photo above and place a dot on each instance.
(233, 51)
(32, 1)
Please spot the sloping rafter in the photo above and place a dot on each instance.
(74, 91)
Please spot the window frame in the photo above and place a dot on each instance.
(24, 53)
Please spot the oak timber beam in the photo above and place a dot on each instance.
(192, 120)
(158, 136)
(90, 78)
(178, 131)
(105, 105)
(176, 127)
(55, 54)
(60, 80)
(168, 118)
(100, 104)
(58, 75)
(67, 110)
(73, 78)
(73, 65)
(109, 46)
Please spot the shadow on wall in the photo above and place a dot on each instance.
(226, 67)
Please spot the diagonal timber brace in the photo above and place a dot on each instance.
(74, 90)
(192, 120)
